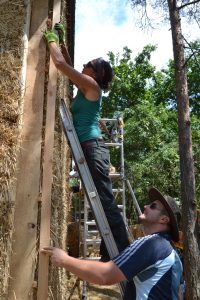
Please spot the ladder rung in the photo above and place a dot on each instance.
(93, 241)
(117, 190)
(92, 258)
(120, 205)
(93, 232)
(114, 144)
(82, 211)
(88, 209)
(91, 222)
(107, 119)
(115, 175)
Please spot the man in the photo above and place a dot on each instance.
(150, 264)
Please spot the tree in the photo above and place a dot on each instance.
(189, 203)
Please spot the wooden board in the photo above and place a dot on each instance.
(42, 292)
(23, 260)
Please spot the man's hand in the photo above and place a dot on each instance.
(61, 32)
(58, 257)
(50, 36)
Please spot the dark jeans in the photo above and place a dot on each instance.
(97, 157)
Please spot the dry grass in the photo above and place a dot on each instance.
(61, 283)
(10, 90)
(9, 115)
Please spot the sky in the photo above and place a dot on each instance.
(109, 25)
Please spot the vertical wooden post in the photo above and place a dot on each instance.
(23, 259)
(42, 292)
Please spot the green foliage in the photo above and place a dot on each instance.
(130, 80)
(151, 149)
(196, 151)
(164, 81)
(193, 70)
(146, 99)
(164, 89)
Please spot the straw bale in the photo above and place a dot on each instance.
(11, 30)
(61, 284)
(61, 210)
(11, 26)
(9, 116)
(10, 87)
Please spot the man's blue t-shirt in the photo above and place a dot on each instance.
(152, 267)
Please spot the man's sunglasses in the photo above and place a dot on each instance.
(153, 205)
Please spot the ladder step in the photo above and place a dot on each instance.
(91, 222)
(113, 175)
(117, 190)
(93, 241)
(92, 258)
(89, 211)
(120, 206)
(93, 232)
(114, 144)
(109, 119)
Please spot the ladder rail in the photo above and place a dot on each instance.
(123, 183)
(89, 187)
(88, 183)
(133, 197)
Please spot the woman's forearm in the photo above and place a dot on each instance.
(65, 54)
(82, 81)
(62, 65)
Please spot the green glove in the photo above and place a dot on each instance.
(50, 36)
(61, 32)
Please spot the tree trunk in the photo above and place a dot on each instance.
(189, 204)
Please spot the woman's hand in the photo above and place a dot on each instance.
(50, 36)
(61, 32)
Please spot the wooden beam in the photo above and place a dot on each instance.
(42, 292)
(23, 259)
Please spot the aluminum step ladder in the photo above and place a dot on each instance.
(90, 235)
(89, 187)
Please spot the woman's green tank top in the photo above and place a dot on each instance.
(86, 115)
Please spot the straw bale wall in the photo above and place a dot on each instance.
(12, 20)
(11, 31)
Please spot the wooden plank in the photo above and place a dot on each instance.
(42, 292)
(23, 259)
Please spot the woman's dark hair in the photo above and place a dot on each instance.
(104, 73)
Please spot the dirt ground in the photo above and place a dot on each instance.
(96, 292)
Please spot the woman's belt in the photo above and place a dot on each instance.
(92, 141)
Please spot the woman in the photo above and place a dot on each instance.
(95, 77)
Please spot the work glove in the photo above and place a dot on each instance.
(61, 32)
(50, 36)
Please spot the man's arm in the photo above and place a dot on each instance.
(91, 271)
